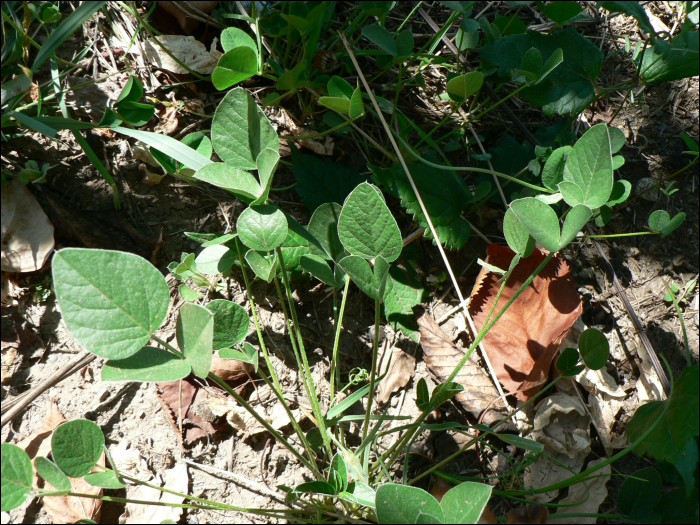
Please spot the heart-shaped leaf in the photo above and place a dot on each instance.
(112, 302)
(262, 227)
(195, 335)
(234, 67)
(148, 364)
(662, 222)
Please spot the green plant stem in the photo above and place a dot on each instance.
(313, 396)
(617, 235)
(335, 363)
(680, 318)
(372, 373)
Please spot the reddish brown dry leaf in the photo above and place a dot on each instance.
(534, 513)
(442, 356)
(523, 343)
(231, 369)
(403, 366)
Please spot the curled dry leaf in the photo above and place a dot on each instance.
(522, 344)
(285, 125)
(562, 425)
(589, 495)
(27, 233)
(442, 357)
(401, 370)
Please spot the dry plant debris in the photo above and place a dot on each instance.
(401, 371)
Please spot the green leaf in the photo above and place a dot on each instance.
(195, 333)
(466, 85)
(679, 506)
(422, 394)
(338, 473)
(169, 146)
(532, 64)
(361, 274)
(465, 502)
(569, 88)
(633, 9)
(321, 181)
(112, 302)
(588, 169)
(136, 113)
(567, 363)
(76, 446)
(148, 364)
(539, 219)
(556, 58)
(518, 238)
(575, 220)
(106, 480)
(666, 62)
(661, 221)
(262, 227)
(673, 439)
(357, 108)
(240, 130)
(249, 355)
(358, 492)
(381, 38)
(639, 497)
(316, 487)
(231, 323)
(264, 265)
(267, 165)
(366, 227)
(16, 476)
(188, 294)
(236, 181)
(520, 442)
(319, 268)
(339, 88)
(561, 12)
(444, 392)
(324, 227)
(406, 504)
(466, 40)
(221, 239)
(235, 66)
(402, 293)
(232, 37)
(341, 105)
(215, 259)
(620, 192)
(594, 348)
(48, 470)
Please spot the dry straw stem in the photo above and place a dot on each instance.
(420, 201)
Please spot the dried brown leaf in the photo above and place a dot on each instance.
(402, 368)
(192, 396)
(231, 369)
(588, 495)
(69, 509)
(442, 357)
(522, 345)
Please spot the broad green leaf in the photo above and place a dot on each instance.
(240, 130)
(402, 293)
(48, 470)
(300, 232)
(589, 168)
(338, 474)
(575, 220)
(358, 492)
(665, 62)
(406, 504)
(236, 181)
(289, 80)
(679, 506)
(465, 502)
(106, 480)
(594, 348)
(567, 363)
(169, 146)
(264, 265)
(195, 333)
(357, 108)
(112, 302)
(404, 43)
(76, 446)
(215, 259)
(673, 439)
(532, 64)
(16, 476)
(249, 355)
(324, 226)
(561, 12)
(366, 227)
(199, 142)
(188, 294)
(444, 392)
(361, 274)
(640, 494)
(569, 88)
(620, 192)
(149, 365)
(136, 113)
(316, 487)
(540, 220)
(552, 63)
(339, 88)
(319, 268)
(662, 222)
(231, 323)
(267, 165)
(617, 139)
(234, 67)
(341, 105)
(262, 227)
(466, 85)
(466, 40)
(517, 236)
(381, 38)
(320, 181)
(232, 37)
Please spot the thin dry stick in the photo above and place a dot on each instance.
(420, 200)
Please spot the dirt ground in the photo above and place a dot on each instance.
(152, 223)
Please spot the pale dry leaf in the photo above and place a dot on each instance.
(562, 425)
(547, 471)
(189, 51)
(604, 410)
(588, 494)
(401, 370)
(168, 121)
(27, 233)
(523, 343)
(129, 461)
(442, 356)
(175, 479)
(600, 381)
(70, 509)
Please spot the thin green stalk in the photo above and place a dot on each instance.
(680, 318)
(313, 397)
(372, 374)
(618, 235)
(335, 364)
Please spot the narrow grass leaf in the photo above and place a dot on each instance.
(148, 365)
(76, 446)
(168, 145)
(195, 334)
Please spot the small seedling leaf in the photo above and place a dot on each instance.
(112, 302)
(106, 480)
(381, 38)
(465, 502)
(341, 105)
(16, 476)
(594, 348)
(422, 394)
(361, 274)
(248, 355)
(406, 504)
(620, 192)
(215, 259)
(236, 181)
(532, 63)
(339, 88)
(589, 168)
(76, 446)
(539, 219)
(48, 470)
(188, 294)
(316, 487)
(444, 392)
(464, 86)
(262, 228)
(232, 37)
(567, 363)
(195, 333)
(661, 221)
(264, 265)
(357, 107)
(575, 220)
(148, 364)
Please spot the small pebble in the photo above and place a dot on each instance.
(633, 251)
(645, 184)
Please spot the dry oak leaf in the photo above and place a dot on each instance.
(442, 356)
(401, 370)
(524, 341)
